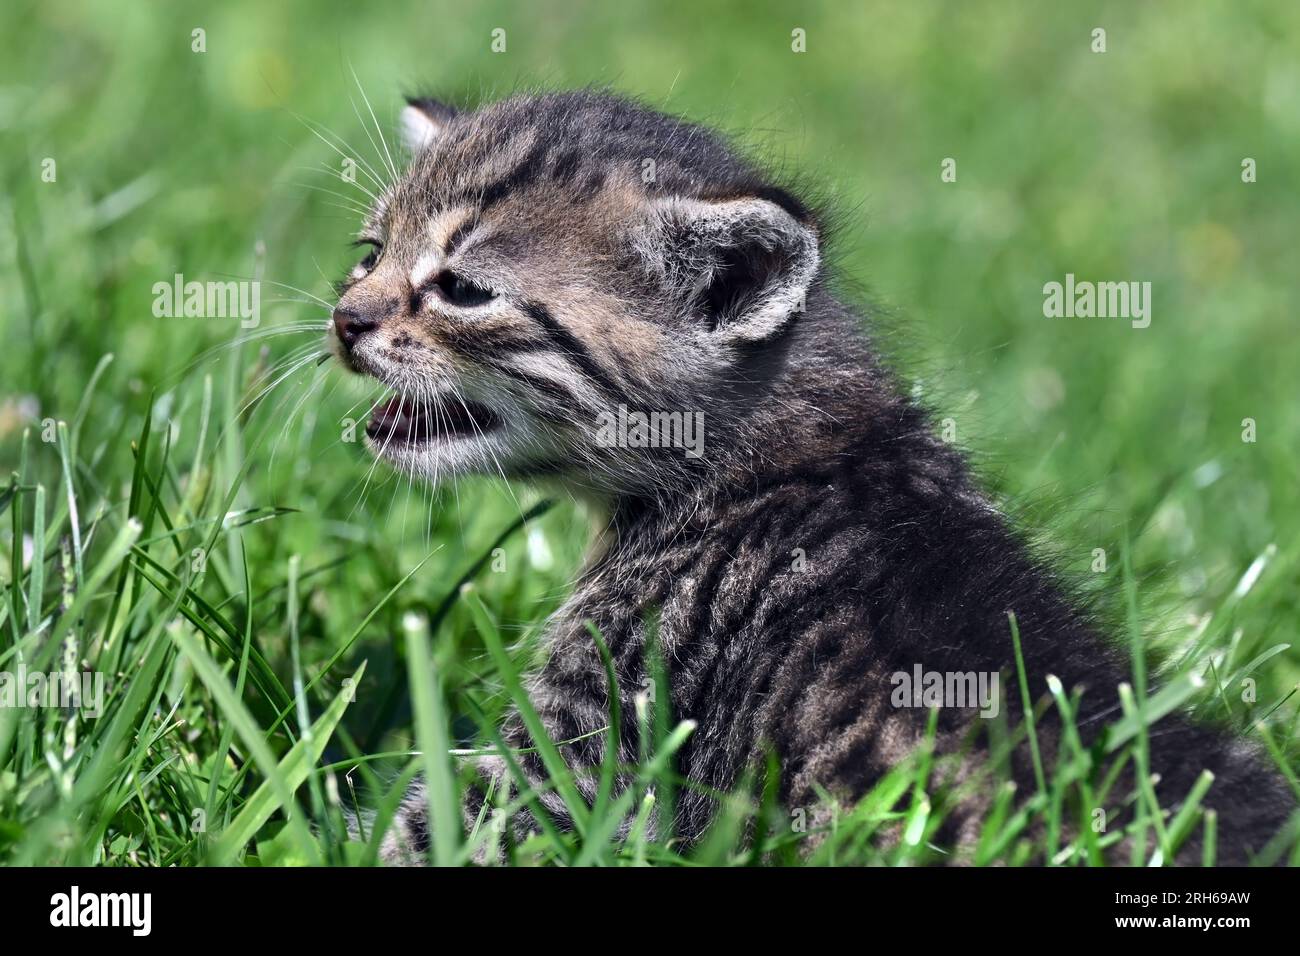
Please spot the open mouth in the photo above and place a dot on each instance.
(405, 420)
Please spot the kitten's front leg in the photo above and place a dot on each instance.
(409, 837)
(407, 841)
(571, 711)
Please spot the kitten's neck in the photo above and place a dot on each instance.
(830, 414)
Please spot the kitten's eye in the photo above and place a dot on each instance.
(458, 290)
(371, 257)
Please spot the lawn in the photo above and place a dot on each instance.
(190, 516)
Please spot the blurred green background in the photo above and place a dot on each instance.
(1123, 165)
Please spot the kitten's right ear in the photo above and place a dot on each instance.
(741, 266)
(423, 121)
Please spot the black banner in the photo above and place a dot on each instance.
(334, 905)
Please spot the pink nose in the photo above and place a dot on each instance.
(350, 326)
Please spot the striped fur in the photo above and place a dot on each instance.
(824, 541)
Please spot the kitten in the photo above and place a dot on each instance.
(549, 283)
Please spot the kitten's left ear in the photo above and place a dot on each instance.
(740, 267)
(423, 121)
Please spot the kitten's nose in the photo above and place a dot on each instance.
(350, 326)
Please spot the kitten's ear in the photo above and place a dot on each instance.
(743, 266)
(423, 121)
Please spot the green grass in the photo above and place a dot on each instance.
(255, 596)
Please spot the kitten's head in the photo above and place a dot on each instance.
(550, 266)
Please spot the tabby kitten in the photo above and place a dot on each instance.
(550, 267)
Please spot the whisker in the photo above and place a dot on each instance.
(293, 413)
(348, 202)
(391, 165)
(359, 159)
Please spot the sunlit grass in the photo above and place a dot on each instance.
(255, 593)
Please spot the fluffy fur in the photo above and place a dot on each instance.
(546, 259)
